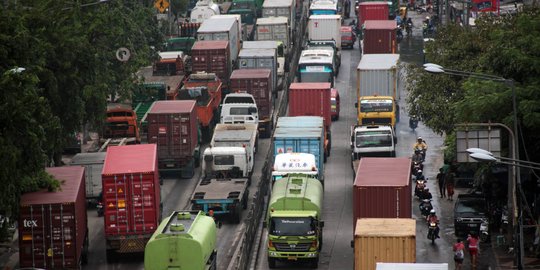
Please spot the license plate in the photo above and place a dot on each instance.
(473, 225)
(292, 258)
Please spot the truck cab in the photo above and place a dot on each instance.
(323, 7)
(239, 108)
(121, 122)
(182, 44)
(248, 9)
(373, 141)
(377, 110)
(330, 45)
(316, 66)
(294, 163)
(226, 162)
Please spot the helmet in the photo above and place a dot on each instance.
(419, 138)
(432, 211)
(419, 171)
(427, 18)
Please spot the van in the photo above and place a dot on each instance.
(334, 104)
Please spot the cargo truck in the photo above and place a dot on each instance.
(53, 226)
(379, 240)
(392, 7)
(250, 10)
(382, 189)
(295, 163)
(131, 198)
(183, 44)
(184, 240)
(93, 164)
(294, 220)
(239, 108)
(173, 127)
(275, 29)
(205, 89)
(283, 64)
(378, 79)
(172, 63)
(261, 59)
(301, 134)
(203, 10)
(324, 28)
(372, 141)
(223, 27)
(379, 37)
(329, 45)
(281, 8)
(213, 56)
(323, 7)
(317, 66)
(372, 10)
(120, 126)
(257, 82)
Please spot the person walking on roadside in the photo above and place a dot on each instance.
(473, 240)
(459, 253)
(440, 178)
(450, 181)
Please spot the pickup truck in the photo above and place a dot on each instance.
(470, 211)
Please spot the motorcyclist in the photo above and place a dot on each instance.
(420, 175)
(409, 21)
(417, 157)
(420, 145)
(432, 218)
(425, 194)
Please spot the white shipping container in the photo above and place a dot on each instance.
(222, 27)
(280, 8)
(274, 28)
(378, 74)
(325, 27)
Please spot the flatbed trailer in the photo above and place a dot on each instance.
(224, 196)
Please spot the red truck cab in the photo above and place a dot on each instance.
(121, 122)
(348, 37)
(334, 104)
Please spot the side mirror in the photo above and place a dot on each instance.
(356, 104)
(321, 223)
(352, 243)
(395, 140)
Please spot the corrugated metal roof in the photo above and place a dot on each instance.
(378, 61)
(220, 24)
(251, 73)
(140, 158)
(173, 106)
(375, 172)
(71, 179)
(210, 45)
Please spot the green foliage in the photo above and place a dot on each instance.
(506, 46)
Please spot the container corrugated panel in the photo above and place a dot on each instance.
(93, 164)
(372, 11)
(310, 99)
(378, 74)
(273, 28)
(53, 225)
(172, 125)
(380, 37)
(382, 188)
(256, 82)
(384, 240)
(325, 27)
(131, 190)
(260, 59)
(212, 56)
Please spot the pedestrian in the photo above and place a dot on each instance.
(450, 181)
(472, 240)
(459, 253)
(440, 178)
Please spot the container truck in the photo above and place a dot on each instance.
(382, 188)
(294, 220)
(311, 99)
(316, 66)
(391, 6)
(257, 82)
(275, 29)
(221, 27)
(93, 164)
(283, 64)
(323, 7)
(250, 10)
(184, 240)
(171, 63)
(183, 44)
(203, 10)
(325, 27)
(379, 240)
(295, 163)
(380, 37)
(261, 59)
(173, 127)
(301, 134)
(120, 125)
(213, 56)
(239, 108)
(53, 226)
(205, 89)
(131, 198)
(376, 10)
(281, 8)
(329, 45)
(372, 141)
(378, 79)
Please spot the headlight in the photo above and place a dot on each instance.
(459, 220)
(485, 220)
(273, 254)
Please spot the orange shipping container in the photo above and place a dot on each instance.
(390, 240)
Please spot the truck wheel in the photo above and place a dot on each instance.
(314, 263)
(271, 262)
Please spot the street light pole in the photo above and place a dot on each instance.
(437, 69)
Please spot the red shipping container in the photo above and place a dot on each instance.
(131, 197)
(380, 37)
(372, 11)
(311, 99)
(257, 82)
(173, 126)
(212, 56)
(382, 189)
(53, 230)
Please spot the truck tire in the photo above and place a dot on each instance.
(271, 263)
(314, 263)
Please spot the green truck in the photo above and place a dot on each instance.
(184, 240)
(182, 44)
(250, 10)
(294, 220)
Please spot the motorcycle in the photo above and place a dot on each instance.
(399, 33)
(422, 152)
(100, 209)
(419, 188)
(432, 235)
(408, 28)
(425, 207)
(418, 167)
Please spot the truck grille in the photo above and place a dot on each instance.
(376, 121)
(300, 247)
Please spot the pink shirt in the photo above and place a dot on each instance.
(473, 242)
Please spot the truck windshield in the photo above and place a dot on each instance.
(291, 226)
(376, 105)
(238, 99)
(322, 12)
(471, 206)
(373, 139)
